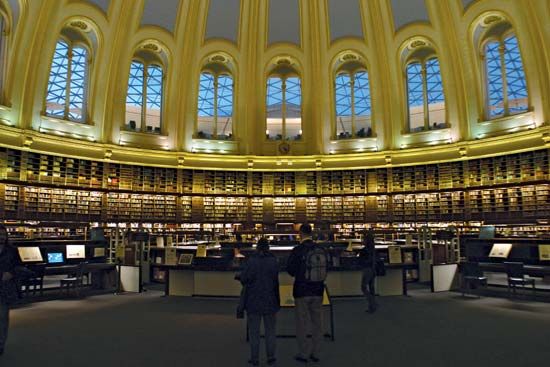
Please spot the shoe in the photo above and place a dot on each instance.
(300, 359)
(271, 361)
(314, 359)
(254, 363)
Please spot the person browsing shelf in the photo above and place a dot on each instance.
(308, 263)
(367, 258)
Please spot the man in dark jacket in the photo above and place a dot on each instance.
(367, 257)
(8, 288)
(308, 297)
(260, 276)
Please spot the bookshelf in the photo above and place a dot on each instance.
(499, 189)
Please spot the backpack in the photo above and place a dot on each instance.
(316, 265)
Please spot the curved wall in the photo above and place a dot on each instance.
(120, 27)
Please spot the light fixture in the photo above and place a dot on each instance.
(388, 159)
(27, 142)
(250, 163)
(108, 154)
(181, 161)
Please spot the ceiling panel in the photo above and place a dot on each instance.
(345, 18)
(409, 11)
(284, 21)
(103, 4)
(161, 13)
(223, 19)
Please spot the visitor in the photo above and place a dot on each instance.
(367, 258)
(8, 287)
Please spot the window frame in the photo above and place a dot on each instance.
(351, 72)
(87, 80)
(432, 54)
(143, 124)
(216, 74)
(284, 76)
(500, 39)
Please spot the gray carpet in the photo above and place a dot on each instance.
(137, 330)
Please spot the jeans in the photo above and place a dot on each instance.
(367, 286)
(4, 323)
(308, 311)
(254, 321)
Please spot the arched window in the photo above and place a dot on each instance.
(284, 104)
(144, 97)
(506, 88)
(215, 100)
(67, 93)
(352, 101)
(425, 97)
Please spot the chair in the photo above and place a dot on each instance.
(74, 282)
(35, 280)
(472, 277)
(515, 273)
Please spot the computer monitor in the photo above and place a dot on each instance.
(487, 232)
(76, 251)
(55, 257)
(30, 254)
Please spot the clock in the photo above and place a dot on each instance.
(284, 148)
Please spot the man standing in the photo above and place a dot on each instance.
(261, 300)
(308, 265)
(367, 257)
(8, 288)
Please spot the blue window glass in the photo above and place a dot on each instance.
(154, 98)
(415, 94)
(134, 96)
(293, 113)
(56, 95)
(78, 83)
(215, 106)
(361, 95)
(515, 77)
(274, 128)
(435, 96)
(343, 105)
(225, 106)
(495, 102)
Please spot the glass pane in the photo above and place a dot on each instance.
(134, 97)
(436, 98)
(495, 103)
(515, 76)
(225, 107)
(57, 83)
(274, 108)
(361, 92)
(342, 94)
(205, 124)
(293, 108)
(415, 94)
(79, 70)
(154, 99)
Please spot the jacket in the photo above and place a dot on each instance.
(260, 277)
(9, 260)
(367, 255)
(296, 268)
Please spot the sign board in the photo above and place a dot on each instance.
(394, 255)
(76, 251)
(201, 251)
(29, 254)
(544, 252)
(170, 256)
(501, 250)
(185, 259)
(99, 252)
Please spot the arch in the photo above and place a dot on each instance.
(283, 99)
(352, 96)
(146, 85)
(504, 84)
(69, 79)
(425, 95)
(215, 102)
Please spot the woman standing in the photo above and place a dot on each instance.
(260, 277)
(367, 257)
(8, 288)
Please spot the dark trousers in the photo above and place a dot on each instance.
(308, 313)
(254, 321)
(4, 323)
(367, 287)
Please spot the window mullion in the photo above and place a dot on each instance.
(502, 50)
(215, 130)
(425, 97)
(352, 94)
(283, 107)
(68, 85)
(143, 127)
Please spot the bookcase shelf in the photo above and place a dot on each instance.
(508, 188)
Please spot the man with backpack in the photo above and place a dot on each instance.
(308, 264)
